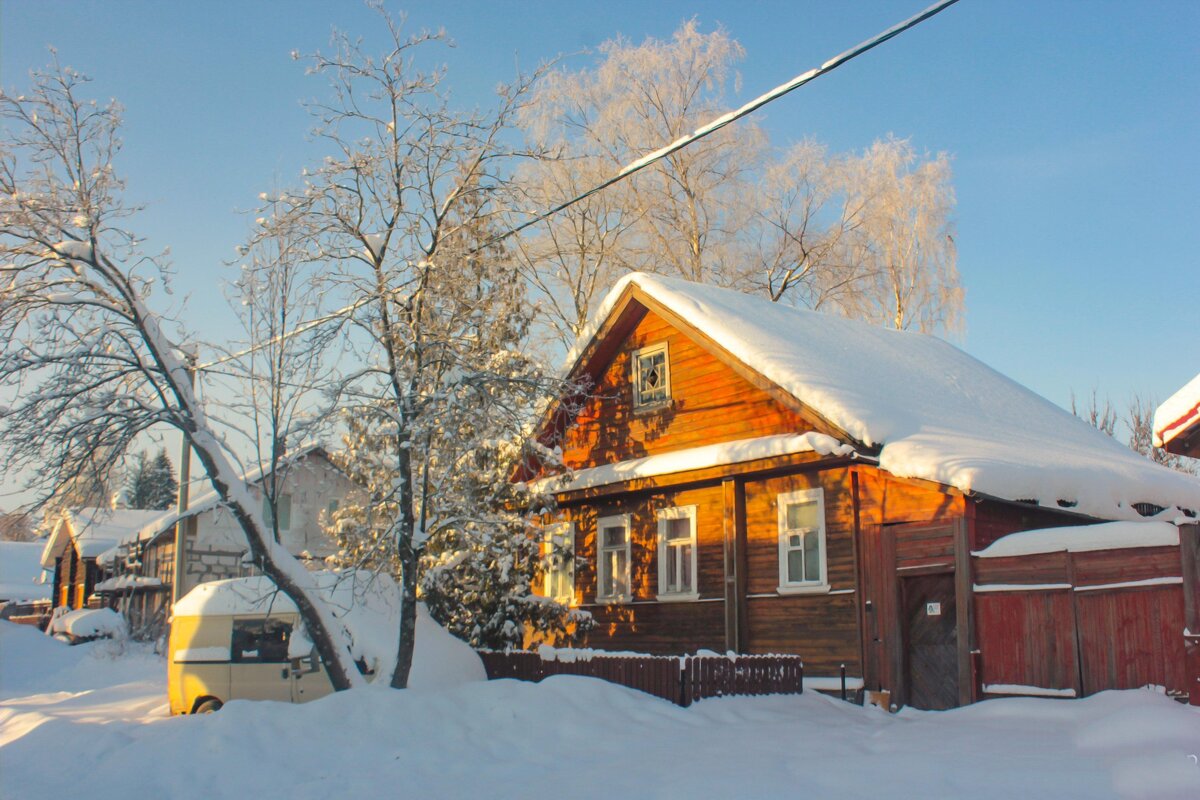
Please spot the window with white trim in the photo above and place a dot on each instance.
(651, 376)
(802, 541)
(613, 558)
(558, 562)
(677, 554)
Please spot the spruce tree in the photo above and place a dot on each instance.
(137, 485)
(163, 488)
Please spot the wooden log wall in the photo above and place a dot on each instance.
(709, 403)
(821, 627)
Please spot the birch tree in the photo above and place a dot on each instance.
(905, 244)
(866, 235)
(92, 362)
(681, 216)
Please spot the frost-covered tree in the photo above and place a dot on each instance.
(1100, 416)
(904, 244)
(401, 213)
(682, 215)
(92, 362)
(864, 235)
(280, 379)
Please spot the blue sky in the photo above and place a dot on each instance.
(1073, 127)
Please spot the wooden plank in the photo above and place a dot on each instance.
(733, 598)
(1189, 556)
(964, 600)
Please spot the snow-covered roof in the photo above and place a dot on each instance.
(1083, 539)
(210, 499)
(21, 576)
(207, 501)
(711, 455)
(95, 530)
(122, 582)
(935, 412)
(1179, 413)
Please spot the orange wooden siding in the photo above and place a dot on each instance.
(709, 403)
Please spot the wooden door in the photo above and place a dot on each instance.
(929, 617)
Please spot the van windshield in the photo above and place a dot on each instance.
(260, 641)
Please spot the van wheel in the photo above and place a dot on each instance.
(209, 706)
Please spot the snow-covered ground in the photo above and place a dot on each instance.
(92, 716)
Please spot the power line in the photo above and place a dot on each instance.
(645, 161)
(732, 116)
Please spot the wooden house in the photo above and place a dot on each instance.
(742, 476)
(1177, 421)
(77, 539)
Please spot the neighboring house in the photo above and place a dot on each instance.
(22, 578)
(744, 476)
(1177, 421)
(77, 539)
(24, 586)
(142, 567)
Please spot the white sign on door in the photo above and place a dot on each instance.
(933, 609)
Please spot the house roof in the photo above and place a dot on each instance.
(930, 410)
(100, 532)
(210, 499)
(1177, 421)
(94, 530)
(21, 576)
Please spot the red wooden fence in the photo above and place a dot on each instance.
(680, 679)
(1096, 620)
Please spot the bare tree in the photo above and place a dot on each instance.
(1140, 419)
(1101, 416)
(280, 379)
(806, 222)
(15, 526)
(94, 366)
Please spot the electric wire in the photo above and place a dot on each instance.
(641, 163)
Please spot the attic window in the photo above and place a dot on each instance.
(651, 377)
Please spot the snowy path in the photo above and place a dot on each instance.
(76, 714)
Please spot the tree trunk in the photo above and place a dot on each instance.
(337, 663)
(408, 569)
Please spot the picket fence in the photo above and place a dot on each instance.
(680, 679)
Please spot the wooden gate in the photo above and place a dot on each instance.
(930, 620)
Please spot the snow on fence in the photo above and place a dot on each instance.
(680, 679)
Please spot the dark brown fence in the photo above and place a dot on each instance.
(680, 679)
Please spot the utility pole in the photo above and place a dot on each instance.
(185, 477)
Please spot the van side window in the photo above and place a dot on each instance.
(260, 641)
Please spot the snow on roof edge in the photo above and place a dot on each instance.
(1083, 539)
(1177, 413)
(711, 455)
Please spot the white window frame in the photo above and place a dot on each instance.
(665, 554)
(564, 532)
(637, 355)
(617, 520)
(821, 585)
